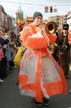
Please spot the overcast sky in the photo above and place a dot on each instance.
(30, 6)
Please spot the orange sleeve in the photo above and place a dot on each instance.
(24, 34)
(69, 38)
(34, 43)
(52, 38)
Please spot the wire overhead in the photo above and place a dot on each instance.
(34, 4)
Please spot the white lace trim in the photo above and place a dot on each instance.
(36, 35)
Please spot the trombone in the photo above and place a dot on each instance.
(50, 27)
(48, 30)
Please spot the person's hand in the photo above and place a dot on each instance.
(41, 28)
(64, 46)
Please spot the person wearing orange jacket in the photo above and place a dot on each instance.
(40, 75)
(69, 37)
(69, 41)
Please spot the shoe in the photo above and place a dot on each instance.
(67, 77)
(45, 101)
(17, 83)
(69, 91)
(37, 103)
(1, 80)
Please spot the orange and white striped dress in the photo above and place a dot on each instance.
(39, 73)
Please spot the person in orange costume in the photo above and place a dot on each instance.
(69, 41)
(40, 76)
(69, 37)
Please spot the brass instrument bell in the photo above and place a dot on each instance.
(50, 27)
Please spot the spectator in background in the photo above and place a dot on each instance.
(8, 53)
(61, 53)
(1, 57)
(3, 71)
(69, 41)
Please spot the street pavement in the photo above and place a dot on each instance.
(10, 96)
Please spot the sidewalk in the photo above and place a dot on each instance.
(10, 96)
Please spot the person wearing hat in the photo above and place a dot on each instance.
(40, 76)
